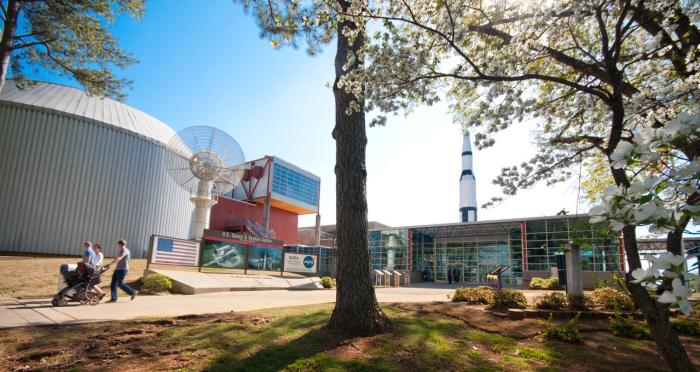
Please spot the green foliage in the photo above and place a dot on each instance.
(158, 283)
(620, 281)
(474, 296)
(597, 178)
(600, 283)
(627, 327)
(552, 301)
(73, 38)
(612, 299)
(580, 302)
(569, 332)
(508, 299)
(327, 282)
(541, 283)
(686, 327)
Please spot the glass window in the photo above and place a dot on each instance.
(295, 185)
(559, 224)
(536, 226)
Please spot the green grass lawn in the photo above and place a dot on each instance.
(37, 277)
(293, 339)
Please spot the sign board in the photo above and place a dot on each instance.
(231, 250)
(241, 237)
(300, 263)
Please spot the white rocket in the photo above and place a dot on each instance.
(467, 183)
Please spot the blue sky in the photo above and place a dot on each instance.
(203, 63)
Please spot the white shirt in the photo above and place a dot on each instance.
(98, 258)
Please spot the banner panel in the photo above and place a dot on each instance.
(300, 263)
(223, 254)
(264, 258)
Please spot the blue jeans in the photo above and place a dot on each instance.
(118, 281)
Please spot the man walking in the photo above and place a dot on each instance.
(120, 272)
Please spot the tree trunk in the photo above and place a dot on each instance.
(356, 308)
(8, 38)
(655, 313)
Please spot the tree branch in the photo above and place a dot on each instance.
(26, 45)
(593, 140)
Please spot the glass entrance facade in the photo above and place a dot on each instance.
(466, 253)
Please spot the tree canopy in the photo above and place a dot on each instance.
(600, 78)
(70, 38)
(501, 62)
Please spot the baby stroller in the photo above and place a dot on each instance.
(77, 279)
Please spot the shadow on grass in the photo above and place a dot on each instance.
(277, 357)
(299, 343)
(601, 351)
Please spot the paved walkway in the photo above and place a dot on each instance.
(19, 313)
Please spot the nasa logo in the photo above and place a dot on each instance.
(308, 262)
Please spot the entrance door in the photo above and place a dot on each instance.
(471, 274)
(457, 271)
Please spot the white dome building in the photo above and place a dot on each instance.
(76, 167)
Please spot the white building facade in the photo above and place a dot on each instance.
(78, 167)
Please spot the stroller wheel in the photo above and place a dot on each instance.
(94, 300)
(59, 301)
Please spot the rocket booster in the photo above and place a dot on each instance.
(467, 183)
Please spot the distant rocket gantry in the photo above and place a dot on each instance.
(467, 183)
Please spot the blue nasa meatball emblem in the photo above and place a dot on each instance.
(308, 262)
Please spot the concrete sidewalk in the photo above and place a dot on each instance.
(20, 313)
(193, 282)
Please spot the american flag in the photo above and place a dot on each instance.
(175, 251)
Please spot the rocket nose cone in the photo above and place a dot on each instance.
(466, 142)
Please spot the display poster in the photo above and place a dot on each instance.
(263, 258)
(223, 255)
(300, 263)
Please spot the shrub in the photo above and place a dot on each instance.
(508, 299)
(540, 283)
(474, 296)
(157, 283)
(600, 283)
(569, 332)
(580, 302)
(551, 301)
(612, 299)
(327, 282)
(686, 327)
(627, 327)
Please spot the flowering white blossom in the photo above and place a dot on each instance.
(679, 295)
(671, 267)
(641, 275)
(659, 197)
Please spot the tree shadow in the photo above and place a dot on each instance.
(278, 356)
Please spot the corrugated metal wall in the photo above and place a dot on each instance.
(67, 179)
